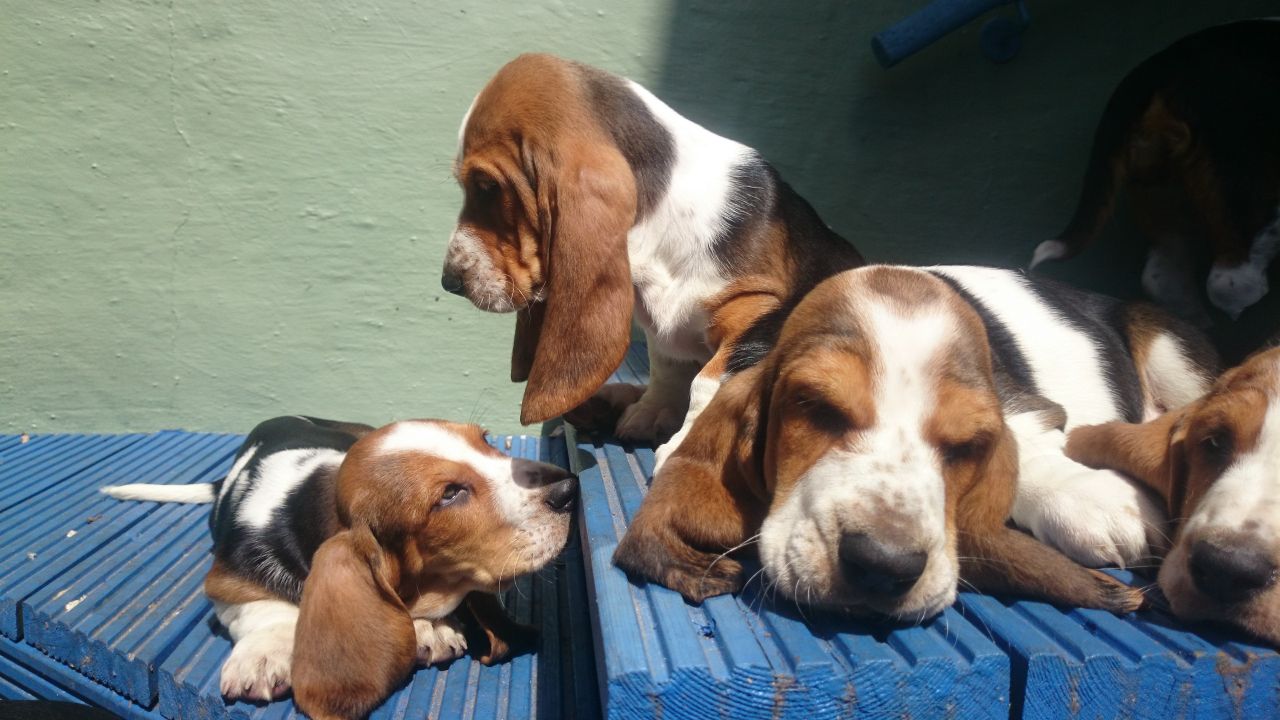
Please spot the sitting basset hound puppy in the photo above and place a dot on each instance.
(587, 198)
(1190, 134)
(873, 455)
(341, 553)
(1216, 462)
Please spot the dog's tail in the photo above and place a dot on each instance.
(193, 493)
(1108, 163)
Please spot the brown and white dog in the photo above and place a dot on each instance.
(876, 453)
(1191, 133)
(587, 198)
(1216, 463)
(343, 554)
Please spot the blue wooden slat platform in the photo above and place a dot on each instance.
(744, 657)
(101, 601)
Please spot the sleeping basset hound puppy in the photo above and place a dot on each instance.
(873, 455)
(587, 198)
(1190, 133)
(342, 554)
(1216, 463)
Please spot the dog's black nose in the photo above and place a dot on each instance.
(560, 495)
(879, 568)
(1231, 573)
(451, 283)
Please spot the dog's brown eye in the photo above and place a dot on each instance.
(452, 494)
(1217, 446)
(485, 186)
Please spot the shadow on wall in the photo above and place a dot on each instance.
(947, 157)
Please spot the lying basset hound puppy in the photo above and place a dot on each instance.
(341, 553)
(1190, 133)
(874, 453)
(1216, 462)
(586, 198)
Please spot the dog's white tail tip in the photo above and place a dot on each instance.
(195, 493)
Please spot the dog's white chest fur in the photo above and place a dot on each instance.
(671, 251)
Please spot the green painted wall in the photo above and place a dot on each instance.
(211, 213)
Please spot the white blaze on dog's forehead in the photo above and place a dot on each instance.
(1248, 491)
(277, 476)
(1055, 350)
(905, 389)
(436, 440)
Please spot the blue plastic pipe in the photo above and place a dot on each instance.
(915, 32)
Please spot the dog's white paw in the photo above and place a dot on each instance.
(649, 421)
(1095, 517)
(439, 641)
(259, 665)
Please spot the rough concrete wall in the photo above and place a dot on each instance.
(215, 212)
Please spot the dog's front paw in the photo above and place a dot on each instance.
(260, 665)
(649, 422)
(1095, 517)
(439, 641)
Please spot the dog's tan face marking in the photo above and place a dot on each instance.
(881, 411)
(1226, 554)
(1217, 464)
(460, 515)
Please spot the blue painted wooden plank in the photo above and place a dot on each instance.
(742, 657)
(75, 522)
(58, 459)
(1078, 663)
(9, 441)
(25, 666)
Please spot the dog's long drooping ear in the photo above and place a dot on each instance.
(568, 346)
(355, 640)
(997, 558)
(1150, 452)
(705, 502)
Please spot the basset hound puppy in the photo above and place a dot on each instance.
(875, 454)
(588, 201)
(344, 554)
(1190, 133)
(1216, 462)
